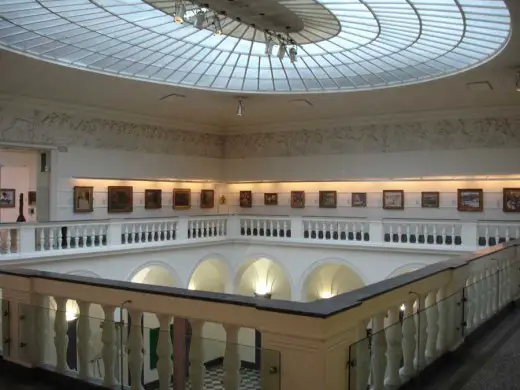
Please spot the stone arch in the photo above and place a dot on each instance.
(156, 273)
(88, 274)
(330, 277)
(405, 269)
(211, 273)
(263, 274)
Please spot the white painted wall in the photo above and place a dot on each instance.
(92, 167)
(375, 165)
(18, 170)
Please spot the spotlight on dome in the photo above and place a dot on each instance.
(217, 25)
(240, 108)
(282, 50)
(293, 54)
(269, 45)
(180, 12)
(518, 80)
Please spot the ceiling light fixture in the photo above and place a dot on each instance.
(518, 80)
(281, 50)
(180, 11)
(217, 25)
(293, 54)
(240, 107)
(269, 44)
(200, 19)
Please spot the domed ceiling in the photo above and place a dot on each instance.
(341, 45)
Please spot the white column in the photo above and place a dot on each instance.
(164, 352)
(84, 344)
(135, 354)
(231, 359)
(61, 340)
(432, 316)
(362, 367)
(421, 334)
(409, 344)
(108, 352)
(394, 351)
(197, 368)
(378, 352)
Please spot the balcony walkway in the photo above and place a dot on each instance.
(491, 362)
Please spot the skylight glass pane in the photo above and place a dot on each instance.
(343, 44)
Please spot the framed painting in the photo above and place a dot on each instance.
(181, 198)
(31, 198)
(152, 199)
(359, 199)
(328, 199)
(393, 199)
(83, 199)
(271, 199)
(207, 199)
(470, 200)
(120, 199)
(511, 200)
(246, 199)
(430, 200)
(7, 198)
(298, 199)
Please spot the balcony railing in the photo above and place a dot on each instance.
(379, 336)
(45, 239)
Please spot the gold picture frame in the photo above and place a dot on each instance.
(181, 198)
(83, 198)
(470, 199)
(393, 199)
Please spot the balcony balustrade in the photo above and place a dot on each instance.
(380, 336)
(46, 239)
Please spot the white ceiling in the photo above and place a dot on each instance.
(20, 75)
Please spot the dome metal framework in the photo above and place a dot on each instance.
(343, 45)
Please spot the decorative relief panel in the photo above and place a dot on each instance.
(448, 134)
(53, 128)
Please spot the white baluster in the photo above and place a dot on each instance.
(409, 344)
(84, 344)
(61, 340)
(394, 352)
(486, 234)
(58, 235)
(378, 352)
(399, 233)
(469, 306)
(231, 359)
(164, 352)
(42, 240)
(8, 241)
(108, 352)
(197, 368)
(432, 316)
(135, 355)
(443, 306)
(497, 234)
(421, 334)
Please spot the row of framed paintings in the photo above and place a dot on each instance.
(8, 198)
(467, 199)
(121, 199)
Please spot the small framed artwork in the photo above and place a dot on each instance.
(83, 199)
(470, 200)
(271, 199)
(7, 198)
(298, 199)
(246, 199)
(181, 198)
(207, 199)
(120, 199)
(393, 199)
(328, 199)
(430, 200)
(152, 199)
(511, 200)
(31, 198)
(359, 199)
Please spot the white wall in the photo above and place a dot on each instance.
(102, 168)
(375, 165)
(18, 170)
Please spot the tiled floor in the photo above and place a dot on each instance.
(249, 379)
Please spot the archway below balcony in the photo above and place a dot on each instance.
(406, 269)
(211, 274)
(329, 279)
(155, 274)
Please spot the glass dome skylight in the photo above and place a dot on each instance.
(342, 44)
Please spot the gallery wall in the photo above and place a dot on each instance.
(447, 188)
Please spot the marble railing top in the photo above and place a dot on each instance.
(322, 308)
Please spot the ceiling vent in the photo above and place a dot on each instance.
(172, 96)
(480, 86)
(301, 103)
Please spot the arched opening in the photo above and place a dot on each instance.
(328, 280)
(405, 269)
(156, 275)
(212, 274)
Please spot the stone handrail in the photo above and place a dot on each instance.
(313, 341)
